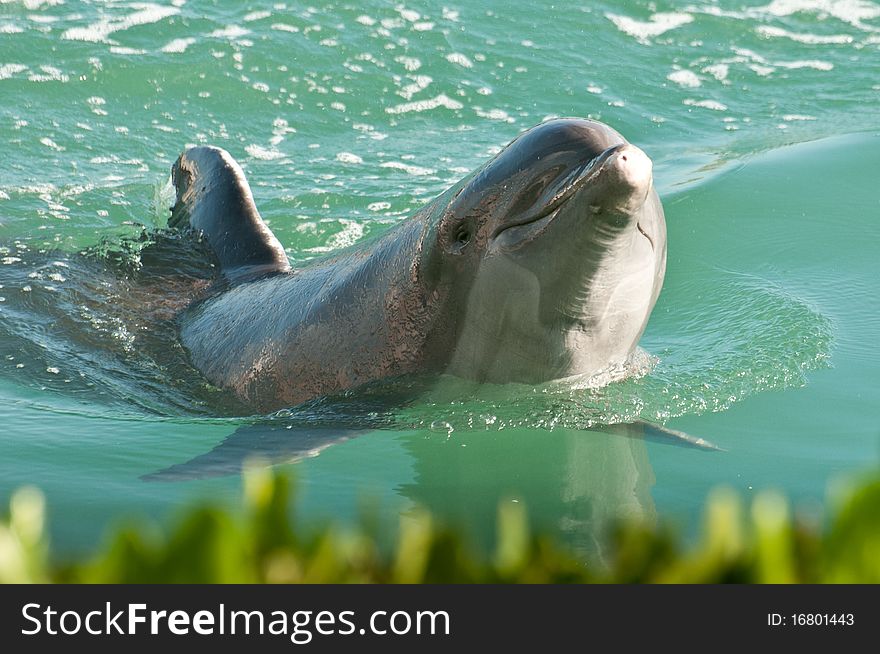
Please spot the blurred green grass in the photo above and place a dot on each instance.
(759, 542)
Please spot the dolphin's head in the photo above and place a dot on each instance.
(557, 247)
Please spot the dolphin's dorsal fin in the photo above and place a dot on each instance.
(213, 198)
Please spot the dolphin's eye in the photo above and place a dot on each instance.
(458, 233)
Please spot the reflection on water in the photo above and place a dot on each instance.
(573, 483)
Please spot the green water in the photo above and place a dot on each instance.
(762, 121)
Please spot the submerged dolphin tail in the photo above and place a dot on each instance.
(214, 199)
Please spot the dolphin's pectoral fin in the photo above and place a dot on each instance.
(214, 199)
(269, 443)
(660, 434)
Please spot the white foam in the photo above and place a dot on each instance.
(761, 71)
(459, 59)
(257, 15)
(853, 12)
(115, 160)
(494, 114)
(43, 188)
(349, 158)
(418, 171)
(284, 27)
(807, 63)
(49, 143)
(9, 28)
(230, 32)
(420, 83)
(705, 104)
(40, 19)
(351, 233)
(718, 71)
(280, 129)
(391, 23)
(8, 70)
(177, 46)
(266, 154)
(684, 78)
(792, 117)
(769, 31)
(441, 100)
(98, 32)
(95, 103)
(764, 67)
(122, 50)
(36, 4)
(643, 31)
(379, 206)
(750, 54)
(411, 64)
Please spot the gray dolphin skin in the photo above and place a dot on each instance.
(544, 263)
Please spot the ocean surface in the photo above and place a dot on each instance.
(763, 121)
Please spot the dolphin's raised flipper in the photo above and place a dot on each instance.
(213, 198)
(269, 443)
(659, 433)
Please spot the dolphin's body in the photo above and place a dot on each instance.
(543, 264)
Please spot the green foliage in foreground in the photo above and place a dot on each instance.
(762, 543)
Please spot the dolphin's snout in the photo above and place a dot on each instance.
(631, 166)
(623, 180)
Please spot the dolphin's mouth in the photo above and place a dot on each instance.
(645, 234)
(575, 180)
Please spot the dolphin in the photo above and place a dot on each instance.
(543, 264)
